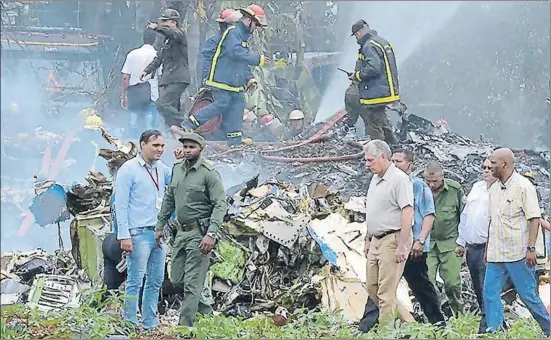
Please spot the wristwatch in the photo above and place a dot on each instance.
(421, 240)
(531, 248)
(213, 235)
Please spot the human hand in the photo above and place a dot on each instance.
(417, 250)
(459, 251)
(126, 245)
(179, 153)
(142, 76)
(531, 259)
(159, 236)
(207, 243)
(401, 253)
(152, 25)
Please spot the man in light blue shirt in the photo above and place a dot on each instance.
(140, 187)
(416, 270)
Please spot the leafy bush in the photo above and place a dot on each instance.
(97, 319)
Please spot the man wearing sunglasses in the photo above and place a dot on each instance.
(473, 234)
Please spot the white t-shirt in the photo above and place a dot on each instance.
(136, 62)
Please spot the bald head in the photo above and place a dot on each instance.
(505, 154)
(503, 163)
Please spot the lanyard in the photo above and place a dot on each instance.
(156, 174)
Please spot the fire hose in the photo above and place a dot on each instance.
(344, 158)
(328, 125)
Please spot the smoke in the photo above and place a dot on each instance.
(404, 24)
(482, 66)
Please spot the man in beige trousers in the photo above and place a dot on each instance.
(389, 217)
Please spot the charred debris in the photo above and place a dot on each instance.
(293, 235)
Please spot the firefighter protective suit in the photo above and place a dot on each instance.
(229, 75)
(378, 84)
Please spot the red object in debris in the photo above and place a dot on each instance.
(266, 119)
(202, 99)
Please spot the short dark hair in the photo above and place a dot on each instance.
(149, 36)
(145, 137)
(409, 156)
(433, 167)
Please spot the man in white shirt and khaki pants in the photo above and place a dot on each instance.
(473, 235)
(139, 96)
(389, 217)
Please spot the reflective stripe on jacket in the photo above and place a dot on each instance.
(231, 65)
(378, 73)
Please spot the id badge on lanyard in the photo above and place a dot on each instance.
(158, 199)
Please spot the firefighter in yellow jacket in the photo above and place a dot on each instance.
(377, 76)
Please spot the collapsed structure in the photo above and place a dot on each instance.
(294, 231)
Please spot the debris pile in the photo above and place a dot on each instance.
(294, 232)
(41, 279)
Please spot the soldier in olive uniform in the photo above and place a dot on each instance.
(449, 203)
(174, 58)
(197, 195)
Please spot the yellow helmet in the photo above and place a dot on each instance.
(93, 122)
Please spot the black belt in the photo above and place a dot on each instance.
(476, 246)
(378, 237)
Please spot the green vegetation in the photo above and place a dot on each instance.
(96, 319)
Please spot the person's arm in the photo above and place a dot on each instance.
(237, 51)
(404, 199)
(168, 206)
(207, 55)
(372, 66)
(154, 64)
(123, 185)
(125, 79)
(428, 211)
(531, 209)
(545, 224)
(215, 190)
(175, 33)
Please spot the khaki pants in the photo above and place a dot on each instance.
(383, 276)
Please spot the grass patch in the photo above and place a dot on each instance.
(96, 319)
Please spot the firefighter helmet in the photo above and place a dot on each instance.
(257, 13)
(296, 115)
(229, 15)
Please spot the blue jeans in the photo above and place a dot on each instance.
(525, 284)
(146, 259)
(143, 119)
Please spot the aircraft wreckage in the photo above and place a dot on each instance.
(293, 235)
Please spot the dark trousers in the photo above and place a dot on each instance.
(477, 269)
(416, 275)
(111, 250)
(169, 105)
(353, 107)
